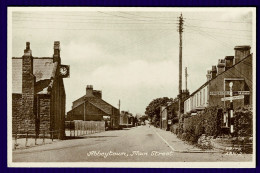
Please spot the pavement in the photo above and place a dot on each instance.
(137, 144)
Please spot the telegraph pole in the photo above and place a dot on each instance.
(119, 106)
(186, 76)
(180, 30)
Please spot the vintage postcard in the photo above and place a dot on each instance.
(131, 87)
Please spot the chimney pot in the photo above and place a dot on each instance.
(208, 75)
(89, 89)
(27, 50)
(56, 55)
(27, 45)
(213, 72)
(229, 62)
(221, 66)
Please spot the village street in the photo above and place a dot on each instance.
(137, 144)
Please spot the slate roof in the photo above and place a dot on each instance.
(42, 69)
(101, 104)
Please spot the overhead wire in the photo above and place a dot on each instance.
(227, 21)
(218, 28)
(212, 38)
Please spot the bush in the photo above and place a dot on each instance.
(205, 122)
(243, 122)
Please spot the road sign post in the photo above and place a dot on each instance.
(231, 109)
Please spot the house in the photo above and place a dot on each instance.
(236, 69)
(38, 93)
(91, 107)
(126, 118)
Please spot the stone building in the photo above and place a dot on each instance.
(236, 69)
(91, 107)
(126, 118)
(38, 93)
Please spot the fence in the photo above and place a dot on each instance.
(79, 127)
(29, 138)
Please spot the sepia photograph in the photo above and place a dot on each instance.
(131, 87)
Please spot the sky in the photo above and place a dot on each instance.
(131, 54)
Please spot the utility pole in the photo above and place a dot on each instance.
(119, 106)
(180, 30)
(120, 120)
(186, 76)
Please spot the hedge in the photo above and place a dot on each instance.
(209, 122)
(205, 122)
(243, 122)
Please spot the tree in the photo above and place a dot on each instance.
(153, 109)
(173, 110)
(143, 118)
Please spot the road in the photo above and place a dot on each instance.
(137, 144)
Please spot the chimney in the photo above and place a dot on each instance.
(229, 62)
(213, 72)
(28, 83)
(241, 52)
(27, 70)
(208, 75)
(56, 55)
(89, 89)
(221, 66)
(97, 94)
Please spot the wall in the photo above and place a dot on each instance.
(44, 106)
(91, 113)
(241, 70)
(58, 98)
(198, 99)
(17, 117)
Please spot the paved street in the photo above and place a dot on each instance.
(137, 144)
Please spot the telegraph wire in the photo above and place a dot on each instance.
(204, 32)
(122, 16)
(155, 17)
(95, 29)
(223, 35)
(213, 38)
(219, 20)
(218, 28)
(91, 22)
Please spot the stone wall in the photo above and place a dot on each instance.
(44, 112)
(57, 108)
(16, 112)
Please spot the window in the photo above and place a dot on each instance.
(204, 96)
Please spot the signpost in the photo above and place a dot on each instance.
(214, 93)
(232, 98)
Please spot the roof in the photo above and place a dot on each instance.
(42, 69)
(101, 104)
(95, 101)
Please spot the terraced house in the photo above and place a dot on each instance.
(91, 107)
(38, 93)
(236, 69)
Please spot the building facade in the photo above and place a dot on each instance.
(126, 118)
(91, 107)
(236, 69)
(38, 93)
